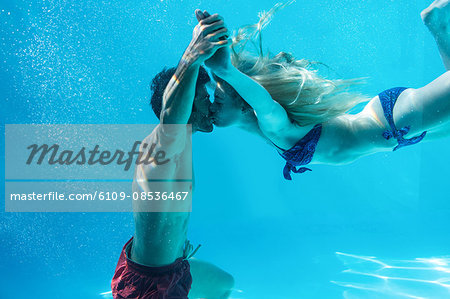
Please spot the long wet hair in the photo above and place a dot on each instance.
(307, 97)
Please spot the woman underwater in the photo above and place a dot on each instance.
(305, 116)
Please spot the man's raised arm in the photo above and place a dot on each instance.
(179, 93)
(160, 237)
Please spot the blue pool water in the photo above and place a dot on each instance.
(383, 219)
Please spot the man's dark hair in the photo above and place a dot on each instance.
(160, 81)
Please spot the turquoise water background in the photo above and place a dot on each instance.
(92, 61)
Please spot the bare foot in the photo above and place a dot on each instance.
(437, 17)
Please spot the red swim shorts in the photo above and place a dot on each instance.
(136, 281)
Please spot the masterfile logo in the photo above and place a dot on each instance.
(141, 153)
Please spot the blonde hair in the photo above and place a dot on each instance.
(307, 98)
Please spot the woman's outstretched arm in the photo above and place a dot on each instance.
(271, 115)
(272, 118)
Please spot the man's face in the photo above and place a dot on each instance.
(200, 118)
(226, 110)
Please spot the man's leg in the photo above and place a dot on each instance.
(209, 281)
(437, 18)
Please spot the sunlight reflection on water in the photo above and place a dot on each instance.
(369, 277)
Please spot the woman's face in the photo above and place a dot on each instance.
(226, 110)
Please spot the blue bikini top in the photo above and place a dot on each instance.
(303, 151)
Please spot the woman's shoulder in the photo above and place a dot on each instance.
(290, 135)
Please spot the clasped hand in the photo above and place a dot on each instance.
(210, 42)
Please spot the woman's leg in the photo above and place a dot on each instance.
(426, 108)
(437, 18)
